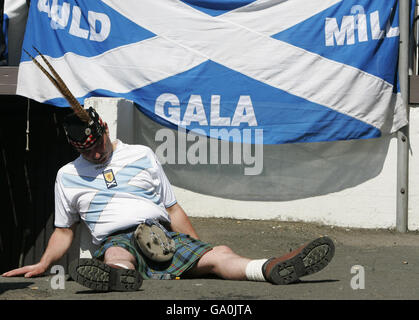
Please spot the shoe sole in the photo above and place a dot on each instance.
(98, 276)
(313, 258)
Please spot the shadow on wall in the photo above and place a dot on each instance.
(28, 166)
(283, 172)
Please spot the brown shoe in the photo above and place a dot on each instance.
(307, 259)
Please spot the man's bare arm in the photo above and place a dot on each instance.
(58, 244)
(180, 221)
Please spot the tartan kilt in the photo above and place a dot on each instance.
(188, 252)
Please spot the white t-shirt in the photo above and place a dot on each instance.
(114, 196)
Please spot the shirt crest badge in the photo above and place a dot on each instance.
(109, 178)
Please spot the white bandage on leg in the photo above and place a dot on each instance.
(254, 270)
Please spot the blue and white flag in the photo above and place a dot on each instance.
(289, 70)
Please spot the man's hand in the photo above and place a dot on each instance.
(58, 244)
(27, 271)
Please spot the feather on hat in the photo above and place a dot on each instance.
(83, 127)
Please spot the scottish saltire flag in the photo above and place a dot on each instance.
(281, 71)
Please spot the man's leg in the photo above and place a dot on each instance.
(120, 258)
(308, 259)
(223, 262)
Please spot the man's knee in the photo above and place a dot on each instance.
(115, 253)
(222, 250)
(220, 254)
(211, 261)
(215, 256)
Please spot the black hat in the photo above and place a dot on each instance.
(81, 134)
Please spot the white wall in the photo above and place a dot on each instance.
(371, 204)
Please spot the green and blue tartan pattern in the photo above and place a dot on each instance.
(188, 252)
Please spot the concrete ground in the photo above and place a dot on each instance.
(388, 268)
